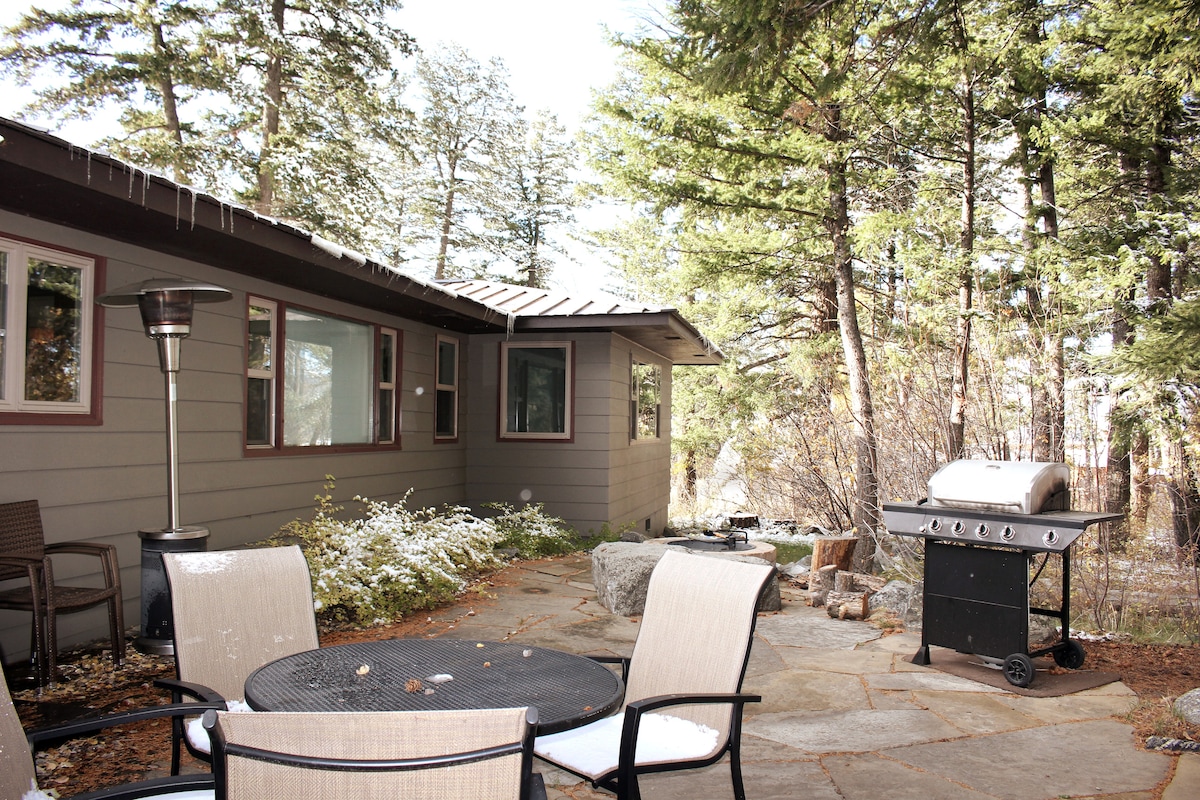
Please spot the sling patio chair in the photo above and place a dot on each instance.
(233, 611)
(683, 699)
(24, 555)
(484, 754)
(18, 777)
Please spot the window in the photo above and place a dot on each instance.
(260, 374)
(535, 385)
(314, 380)
(385, 415)
(46, 330)
(445, 422)
(645, 391)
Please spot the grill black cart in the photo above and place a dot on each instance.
(983, 523)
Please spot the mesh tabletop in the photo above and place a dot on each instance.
(567, 690)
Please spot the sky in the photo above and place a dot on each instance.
(556, 52)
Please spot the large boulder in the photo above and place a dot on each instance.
(621, 575)
(902, 599)
(1188, 707)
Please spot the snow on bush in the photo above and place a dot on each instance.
(395, 560)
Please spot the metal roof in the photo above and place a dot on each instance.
(49, 178)
(660, 329)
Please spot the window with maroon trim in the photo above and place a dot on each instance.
(47, 338)
(535, 387)
(445, 417)
(316, 380)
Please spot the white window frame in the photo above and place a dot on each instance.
(13, 323)
(441, 387)
(568, 392)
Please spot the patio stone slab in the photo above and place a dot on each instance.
(853, 731)
(814, 628)
(1071, 708)
(850, 662)
(805, 691)
(929, 679)
(869, 777)
(974, 713)
(1044, 762)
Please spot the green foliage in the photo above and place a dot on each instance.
(531, 532)
(392, 561)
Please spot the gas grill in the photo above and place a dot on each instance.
(983, 523)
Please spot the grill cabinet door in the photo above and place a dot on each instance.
(976, 599)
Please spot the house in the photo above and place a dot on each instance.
(323, 362)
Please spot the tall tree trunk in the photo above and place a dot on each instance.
(865, 514)
(956, 439)
(272, 103)
(170, 106)
(1117, 473)
(447, 225)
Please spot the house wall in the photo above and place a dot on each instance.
(106, 482)
(598, 479)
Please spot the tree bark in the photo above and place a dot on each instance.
(956, 438)
(866, 513)
(836, 550)
(272, 103)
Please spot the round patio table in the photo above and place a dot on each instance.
(439, 674)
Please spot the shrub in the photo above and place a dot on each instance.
(531, 532)
(393, 560)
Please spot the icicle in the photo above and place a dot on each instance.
(193, 209)
(512, 323)
(89, 167)
(145, 186)
(132, 178)
(178, 191)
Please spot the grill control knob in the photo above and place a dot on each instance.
(958, 528)
(1008, 533)
(935, 524)
(982, 530)
(1050, 537)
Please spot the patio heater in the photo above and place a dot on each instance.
(166, 307)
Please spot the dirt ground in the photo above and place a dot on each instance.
(1157, 673)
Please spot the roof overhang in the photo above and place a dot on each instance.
(50, 179)
(663, 332)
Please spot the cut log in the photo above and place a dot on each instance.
(847, 605)
(831, 551)
(837, 550)
(821, 584)
(845, 581)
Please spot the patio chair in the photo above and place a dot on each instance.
(24, 555)
(233, 611)
(683, 699)
(18, 778)
(484, 754)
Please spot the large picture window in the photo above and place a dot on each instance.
(645, 400)
(46, 330)
(536, 388)
(315, 380)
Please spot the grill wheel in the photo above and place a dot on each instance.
(1018, 670)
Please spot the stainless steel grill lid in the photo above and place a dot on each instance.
(1012, 487)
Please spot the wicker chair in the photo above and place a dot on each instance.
(418, 755)
(690, 657)
(18, 777)
(24, 555)
(233, 611)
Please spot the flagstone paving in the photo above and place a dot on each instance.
(845, 714)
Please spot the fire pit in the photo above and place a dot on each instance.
(984, 523)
